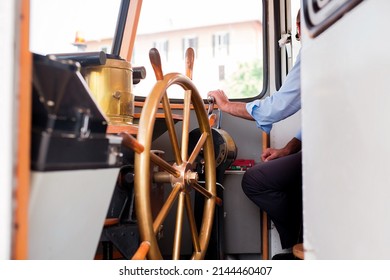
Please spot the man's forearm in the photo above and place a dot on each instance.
(237, 109)
(293, 146)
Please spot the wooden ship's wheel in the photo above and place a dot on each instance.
(181, 175)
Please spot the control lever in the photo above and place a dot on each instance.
(212, 116)
(155, 59)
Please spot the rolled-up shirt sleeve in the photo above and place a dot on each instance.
(280, 105)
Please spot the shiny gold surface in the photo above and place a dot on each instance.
(171, 129)
(182, 185)
(192, 223)
(112, 88)
(166, 208)
(186, 124)
(178, 227)
(230, 149)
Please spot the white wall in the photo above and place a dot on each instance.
(346, 124)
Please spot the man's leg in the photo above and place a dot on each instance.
(276, 187)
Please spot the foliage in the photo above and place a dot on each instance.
(247, 81)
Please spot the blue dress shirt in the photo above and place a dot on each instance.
(280, 105)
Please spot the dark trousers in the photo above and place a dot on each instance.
(276, 187)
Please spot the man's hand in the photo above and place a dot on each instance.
(237, 109)
(220, 98)
(291, 147)
(270, 154)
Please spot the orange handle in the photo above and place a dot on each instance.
(131, 142)
(190, 57)
(155, 59)
(142, 251)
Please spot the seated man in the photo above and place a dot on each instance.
(276, 184)
(276, 187)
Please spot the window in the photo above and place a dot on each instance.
(162, 47)
(295, 5)
(190, 42)
(55, 24)
(221, 72)
(106, 49)
(228, 49)
(221, 45)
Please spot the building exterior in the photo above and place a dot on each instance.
(220, 49)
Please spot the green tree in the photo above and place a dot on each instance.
(247, 81)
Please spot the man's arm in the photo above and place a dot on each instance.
(237, 109)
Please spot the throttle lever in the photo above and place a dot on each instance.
(211, 101)
(212, 116)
